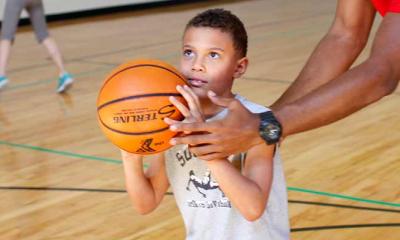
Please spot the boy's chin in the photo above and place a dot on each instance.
(200, 92)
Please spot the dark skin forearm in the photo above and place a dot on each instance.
(364, 84)
(339, 98)
(336, 52)
(325, 64)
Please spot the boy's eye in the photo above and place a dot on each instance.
(187, 53)
(214, 55)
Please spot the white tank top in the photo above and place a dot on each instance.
(208, 213)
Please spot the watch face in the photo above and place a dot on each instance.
(272, 131)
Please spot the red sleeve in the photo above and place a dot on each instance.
(385, 6)
(394, 6)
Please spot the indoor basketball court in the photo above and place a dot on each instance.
(60, 178)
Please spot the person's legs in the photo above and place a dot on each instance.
(65, 80)
(12, 11)
(36, 14)
(54, 53)
(5, 47)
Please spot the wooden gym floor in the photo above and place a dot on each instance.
(61, 179)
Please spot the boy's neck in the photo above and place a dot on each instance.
(210, 109)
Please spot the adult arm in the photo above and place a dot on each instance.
(362, 85)
(331, 95)
(336, 51)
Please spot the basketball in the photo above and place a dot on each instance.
(134, 100)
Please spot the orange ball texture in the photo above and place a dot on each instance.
(133, 102)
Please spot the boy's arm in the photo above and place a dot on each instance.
(146, 189)
(248, 191)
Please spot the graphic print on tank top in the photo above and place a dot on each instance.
(206, 185)
(202, 190)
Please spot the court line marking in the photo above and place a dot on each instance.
(341, 196)
(335, 205)
(91, 56)
(114, 161)
(104, 190)
(109, 67)
(62, 153)
(299, 229)
(319, 228)
(45, 81)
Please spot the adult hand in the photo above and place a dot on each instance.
(235, 133)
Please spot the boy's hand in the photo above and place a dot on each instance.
(193, 113)
(130, 156)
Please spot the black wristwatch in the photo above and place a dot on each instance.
(270, 129)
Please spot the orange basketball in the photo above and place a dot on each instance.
(133, 102)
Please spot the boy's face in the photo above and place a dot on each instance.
(209, 61)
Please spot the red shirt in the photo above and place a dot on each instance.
(385, 6)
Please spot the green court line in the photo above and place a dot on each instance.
(114, 161)
(295, 189)
(46, 81)
(62, 153)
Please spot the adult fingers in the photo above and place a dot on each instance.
(193, 139)
(213, 156)
(196, 127)
(203, 149)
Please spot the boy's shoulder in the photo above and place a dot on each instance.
(251, 106)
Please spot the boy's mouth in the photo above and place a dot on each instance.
(195, 82)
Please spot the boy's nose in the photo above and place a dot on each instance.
(198, 66)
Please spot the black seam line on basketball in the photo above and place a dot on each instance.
(133, 133)
(320, 228)
(141, 65)
(139, 96)
(343, 206)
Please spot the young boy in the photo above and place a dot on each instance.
(217, 201)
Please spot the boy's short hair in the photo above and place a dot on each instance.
(225, 21)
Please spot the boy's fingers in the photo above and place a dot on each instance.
(170, 121)
(194, 96)
(195, 106)
(180, 106)
(189, 99)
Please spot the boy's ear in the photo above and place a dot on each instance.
(241, 67)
